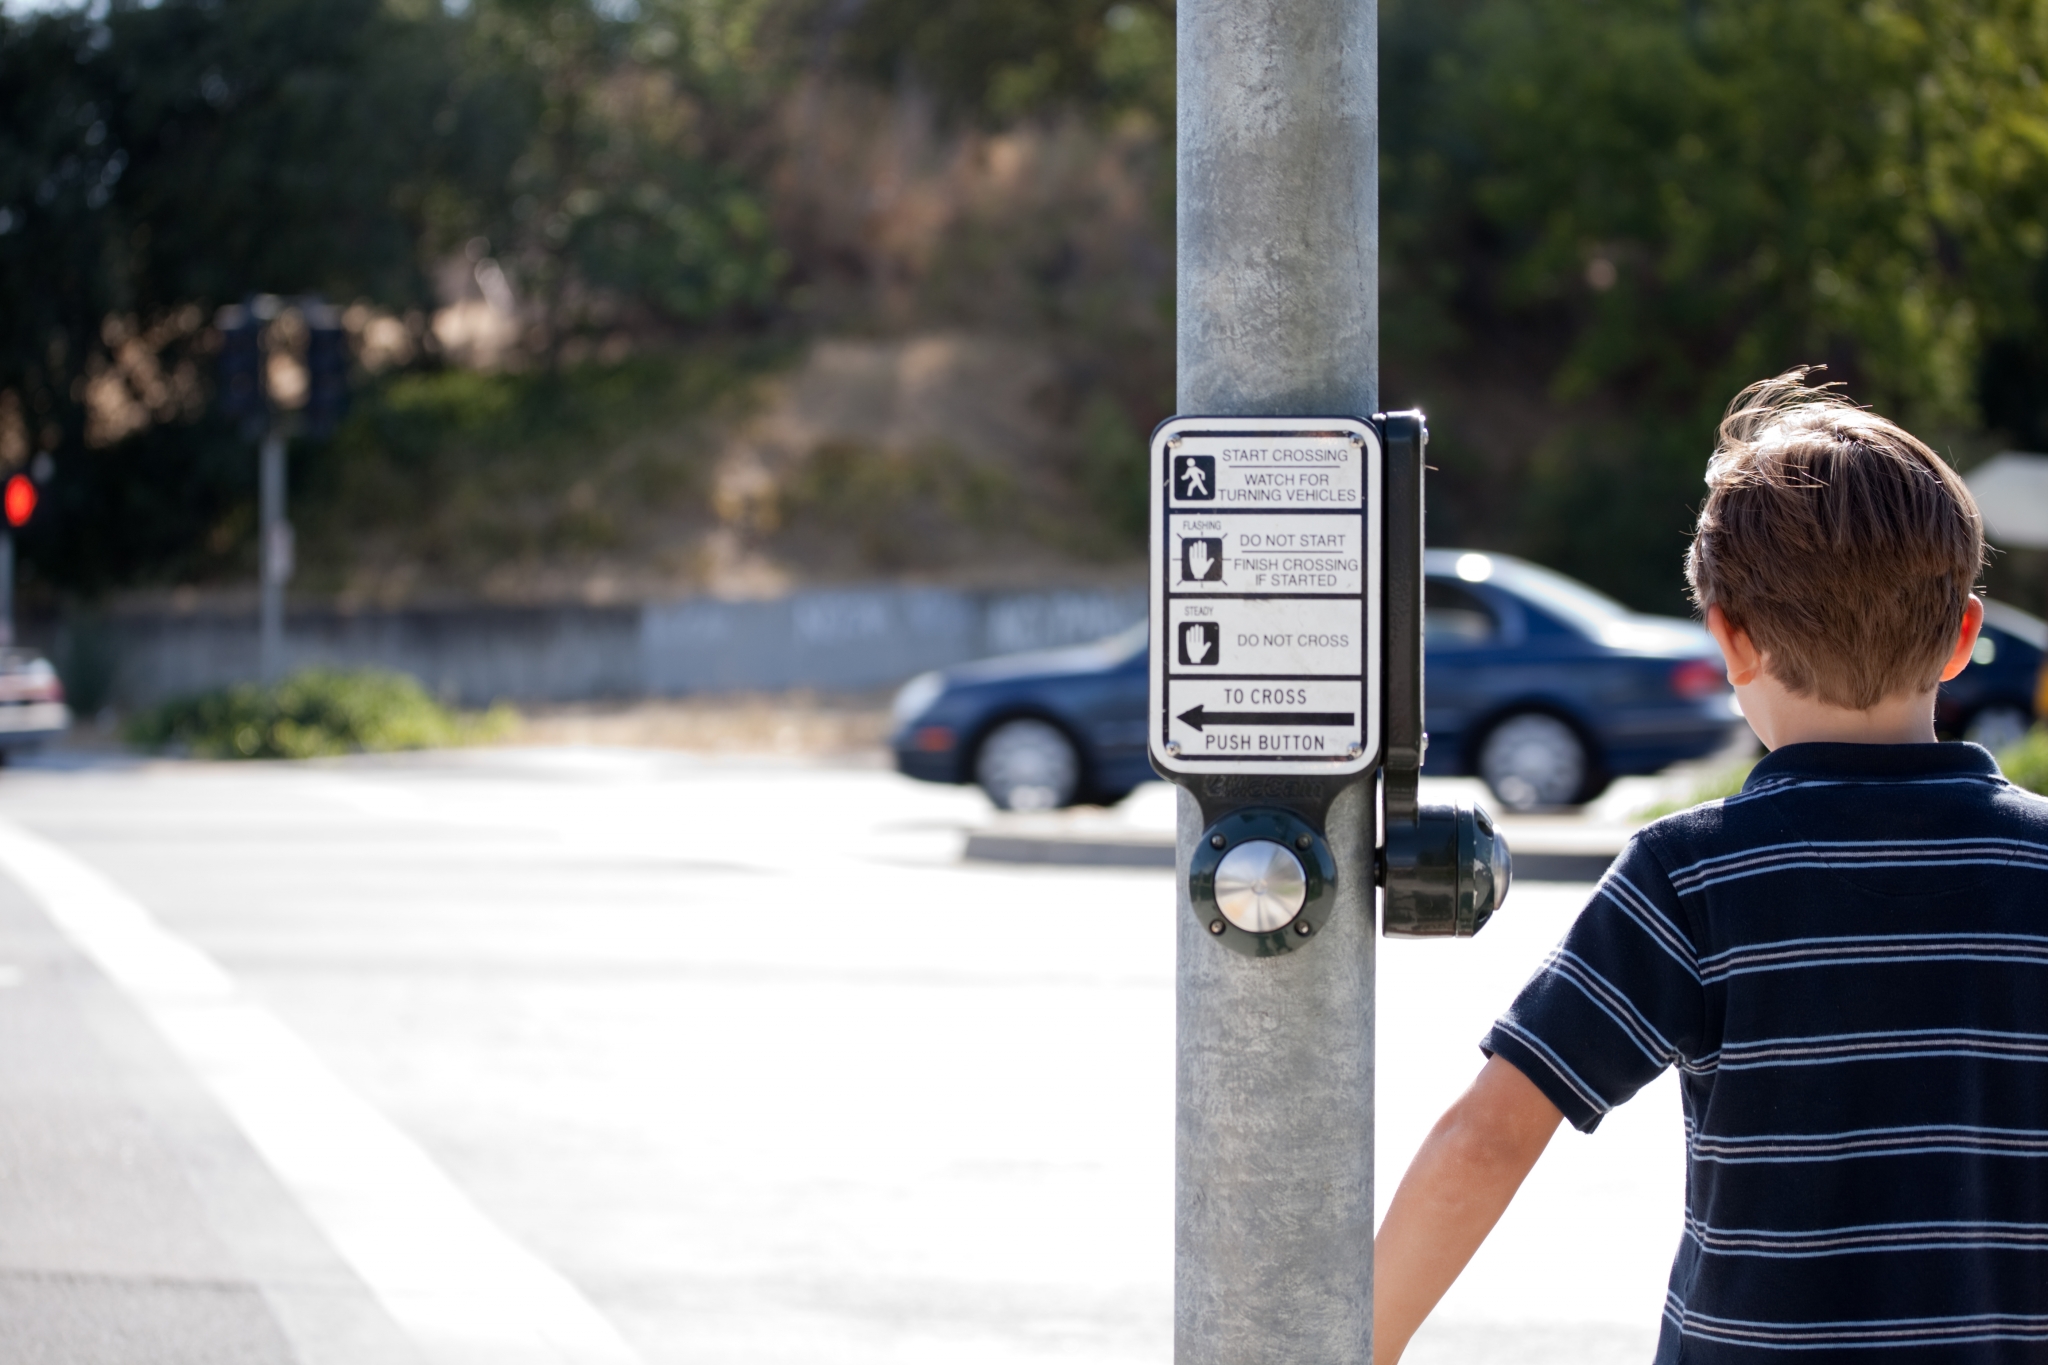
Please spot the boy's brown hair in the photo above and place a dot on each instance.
(1841, 543)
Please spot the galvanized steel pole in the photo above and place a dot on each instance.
(6, 586)
(273, 550)
(1278, 291)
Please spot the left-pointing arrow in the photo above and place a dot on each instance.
(1199, 717)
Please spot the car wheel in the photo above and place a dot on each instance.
(1532, 760)
(1028, 765)
(1998, 726)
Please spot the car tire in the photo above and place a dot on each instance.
(1533, 759)
(1028, 765)
(1998, 726)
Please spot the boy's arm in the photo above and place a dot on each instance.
(1455, 1191)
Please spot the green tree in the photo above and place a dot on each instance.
(638, 196)
(1670, 198)
(999, 60)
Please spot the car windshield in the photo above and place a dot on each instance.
(1568, 597)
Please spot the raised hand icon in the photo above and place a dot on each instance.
(1198, 560)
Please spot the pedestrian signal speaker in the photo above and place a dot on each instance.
(19, 500)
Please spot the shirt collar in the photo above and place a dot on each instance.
(1873, 760)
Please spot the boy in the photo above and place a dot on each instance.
(1848, 961)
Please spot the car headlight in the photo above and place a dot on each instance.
(915, 697)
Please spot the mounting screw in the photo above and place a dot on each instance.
(1356, 439)
(1173, 748)
(1357, 749)
(1304, 928)
(1216, 841)
(1302, 841)
(1215, 926)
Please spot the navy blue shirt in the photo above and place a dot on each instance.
(1848, 964)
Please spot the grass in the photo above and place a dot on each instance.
(1712, 787)
(2026, 763)
(313, 714)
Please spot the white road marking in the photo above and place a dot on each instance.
(465, 1291)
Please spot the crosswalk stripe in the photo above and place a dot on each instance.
(464, 1289)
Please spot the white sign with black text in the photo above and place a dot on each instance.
(1265, 595)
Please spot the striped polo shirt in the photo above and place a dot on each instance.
(1848, 964)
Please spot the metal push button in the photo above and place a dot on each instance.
(1260, 886)
(1261, 881)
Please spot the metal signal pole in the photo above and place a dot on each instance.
(1278, 293)
(6, 586)
(274, 553)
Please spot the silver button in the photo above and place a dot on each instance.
(1260, 886)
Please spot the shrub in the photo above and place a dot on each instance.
(2026, 763)
(312, 714)
(1711, 787)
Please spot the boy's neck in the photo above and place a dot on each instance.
(1780, 717)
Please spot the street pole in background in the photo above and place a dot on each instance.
(1278, 296)
(17, 505)
(274, 549)
(6, 586)
(311, 399)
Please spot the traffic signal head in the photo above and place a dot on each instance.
(241, 366)
(19, 500)
(326, 378)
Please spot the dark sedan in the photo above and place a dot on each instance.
(1991, 702)
(1537, 683)
(1034, 730)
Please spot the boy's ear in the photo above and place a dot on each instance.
(1739, 653)
(1966, 642)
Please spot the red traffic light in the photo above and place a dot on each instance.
(19, 500)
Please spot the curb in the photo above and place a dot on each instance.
(1050, 851)
(1056, 852)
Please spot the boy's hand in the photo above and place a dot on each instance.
(1455, 1191)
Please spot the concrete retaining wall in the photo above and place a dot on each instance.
(838, 640)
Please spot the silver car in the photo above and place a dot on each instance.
(32, 708)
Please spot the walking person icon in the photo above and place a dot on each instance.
(1194, 478)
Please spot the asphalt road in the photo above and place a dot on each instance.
(559, 1055)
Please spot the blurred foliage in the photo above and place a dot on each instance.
(165, 158)
(903, 507)
(459, 470)
(314, 714)
(191, 152)
(1714, 786)
(2026, 763)
(1601, 218)
(637, 184)
(172, 503)
(1645, 204)
(1115, 471)
(998, 60)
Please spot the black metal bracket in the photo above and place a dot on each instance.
(1444, 870)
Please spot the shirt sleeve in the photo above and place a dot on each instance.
(1615, 1003)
